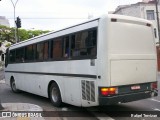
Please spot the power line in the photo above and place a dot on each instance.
(50, 18)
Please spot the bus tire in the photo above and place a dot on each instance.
(55, 95)
(13, 86)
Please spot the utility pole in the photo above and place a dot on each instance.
(18, 25)
(15, 27)
(157, 14)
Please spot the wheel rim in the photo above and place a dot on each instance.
(13, 86)
(54, 94)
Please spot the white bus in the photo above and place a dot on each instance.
(107, 60)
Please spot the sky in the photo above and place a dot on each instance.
(57, 14)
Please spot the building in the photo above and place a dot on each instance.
(4, 21)
(145, 9)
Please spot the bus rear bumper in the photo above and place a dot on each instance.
(126, 97)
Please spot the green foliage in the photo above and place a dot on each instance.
(7, 33)
(8, 45)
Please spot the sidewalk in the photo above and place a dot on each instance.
(11, 109)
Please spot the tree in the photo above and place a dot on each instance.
(7, 33)
(27, 34)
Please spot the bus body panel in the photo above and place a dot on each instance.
(102, 50)
(141, 71)
(132, 52)
(36, 80)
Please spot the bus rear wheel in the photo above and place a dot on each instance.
(55, 95)
(13, 86)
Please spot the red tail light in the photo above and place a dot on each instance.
(154, 85)
(108, 91)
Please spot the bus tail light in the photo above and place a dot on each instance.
(108, 91)
(154, 85)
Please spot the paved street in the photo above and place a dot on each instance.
(7, 96)
(1, 74)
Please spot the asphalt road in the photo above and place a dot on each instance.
(1, 74)
(95, 113)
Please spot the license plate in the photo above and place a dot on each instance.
(136, 87)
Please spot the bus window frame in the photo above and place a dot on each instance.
(50, 57)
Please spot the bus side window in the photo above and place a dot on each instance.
(51, 48)
(83, 46)
(66, 51)
(56, 49)
(28, 53)
(92, 42)
(40, 52)
(20, 55)
(72, 44)
(12, 56)
(34, 49)
(83, 43)
(46, 50)
(76, 44)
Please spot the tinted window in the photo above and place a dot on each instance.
(20, 55)
(56, 48)
(12, 56)
(92, 42)
(66, 52)
(46, 50)
(29, 52)
(39, 53)
(34, 51)
(84, 43)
